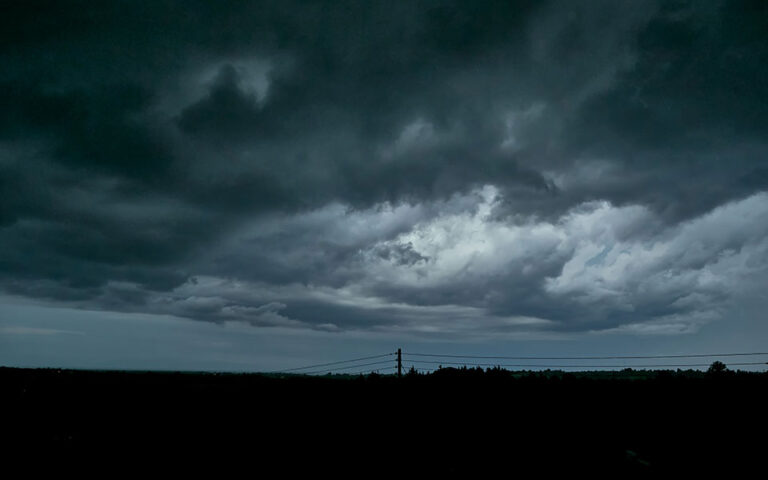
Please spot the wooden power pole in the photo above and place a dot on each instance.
(399, 363)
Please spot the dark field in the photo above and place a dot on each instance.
(453, 422)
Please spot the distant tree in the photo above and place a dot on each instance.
(717, 368)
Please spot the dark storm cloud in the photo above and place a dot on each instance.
(226, 112)
(318, 152)
(687, 122)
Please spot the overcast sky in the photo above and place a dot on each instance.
(253, 185)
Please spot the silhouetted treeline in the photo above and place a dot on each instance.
(451, 422)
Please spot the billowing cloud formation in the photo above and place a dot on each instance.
(436, 167)
(598, 267)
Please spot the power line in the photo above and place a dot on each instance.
(344, 368)
(373, 370)
(361, 372)
(613, 357)
(347, 367)
(376, 370)
(581, 366)
(617, 357)
(333, 363)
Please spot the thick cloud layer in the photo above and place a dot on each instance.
(438, 167)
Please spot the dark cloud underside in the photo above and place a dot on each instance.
(377, 164)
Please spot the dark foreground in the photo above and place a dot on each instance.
(452, 423)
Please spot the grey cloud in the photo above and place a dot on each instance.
(401, 254)
(125, 171)
(227, 111)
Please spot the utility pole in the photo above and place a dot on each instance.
(399, 363)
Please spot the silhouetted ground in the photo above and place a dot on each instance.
(450, 423)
